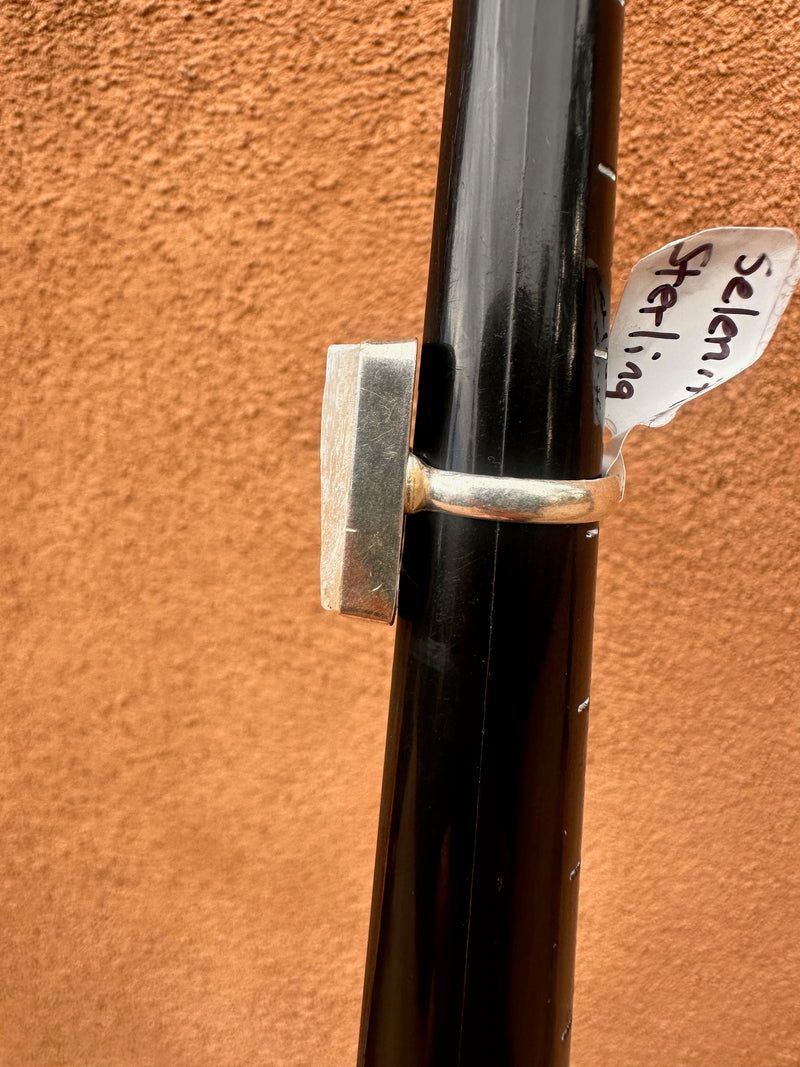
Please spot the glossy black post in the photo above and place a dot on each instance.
(472, 938)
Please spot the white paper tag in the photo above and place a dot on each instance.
(692, 315)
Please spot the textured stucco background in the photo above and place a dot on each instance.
(197, 198)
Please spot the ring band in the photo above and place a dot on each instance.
(501, 499)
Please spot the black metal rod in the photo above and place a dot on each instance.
(472, 937)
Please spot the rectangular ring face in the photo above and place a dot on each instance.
(366, 429)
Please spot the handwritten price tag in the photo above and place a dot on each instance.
(692, 316)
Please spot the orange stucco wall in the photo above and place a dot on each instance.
(197, 198)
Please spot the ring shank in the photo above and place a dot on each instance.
(500, 499)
